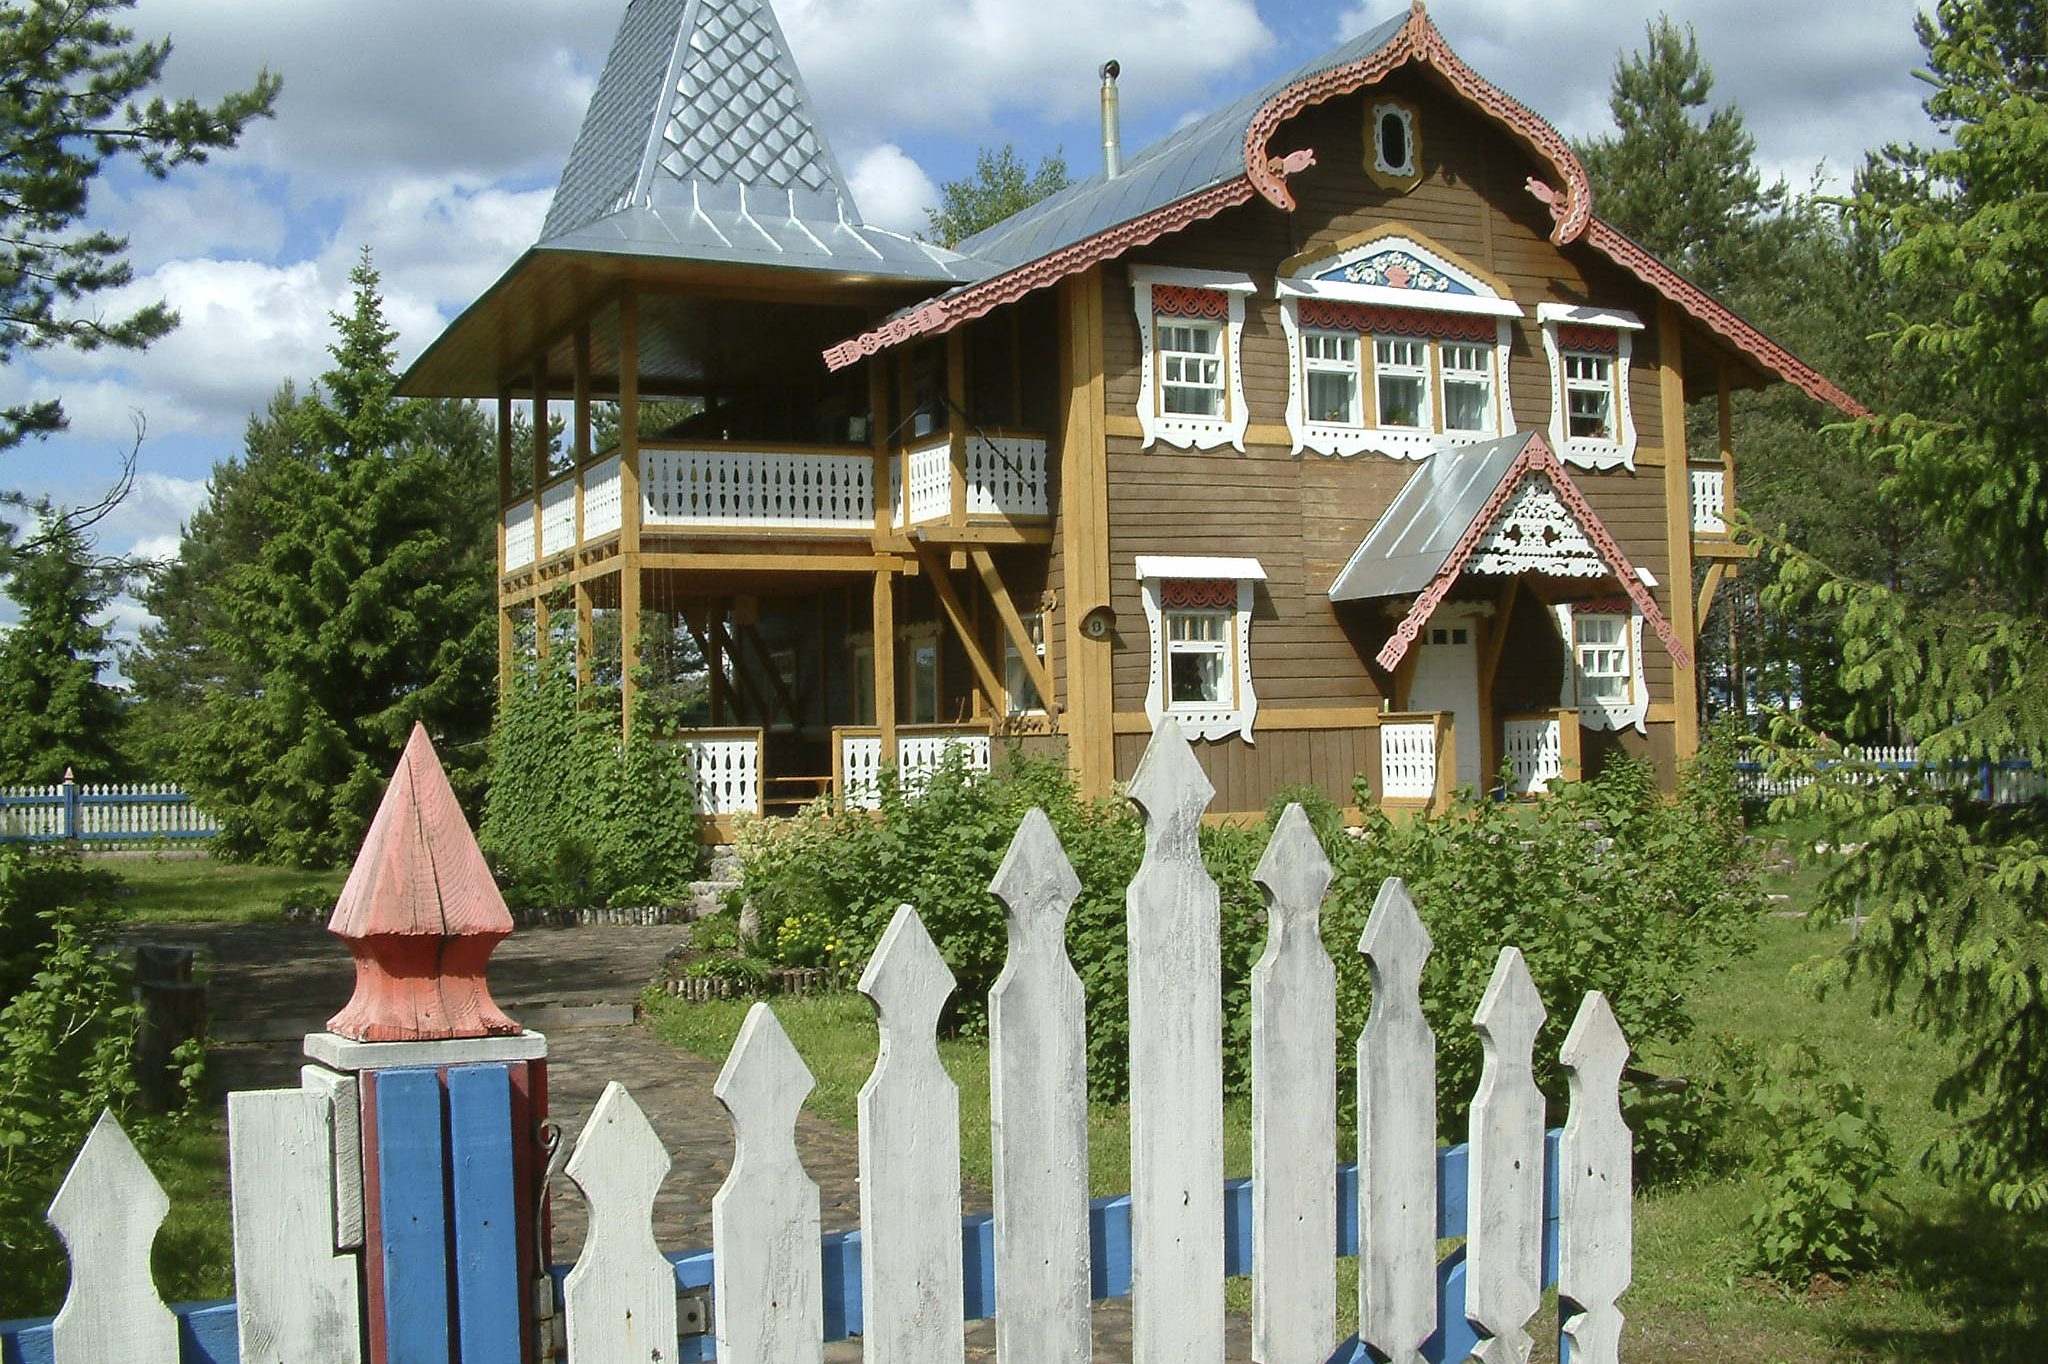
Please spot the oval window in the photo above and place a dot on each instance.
(1393, 141)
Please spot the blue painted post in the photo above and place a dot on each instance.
(70, 807)
(1989, 781)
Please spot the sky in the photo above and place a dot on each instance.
(433, 131)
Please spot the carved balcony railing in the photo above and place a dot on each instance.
(1418, 766)
(1006, 478)
(919, 751)
(763, 489)
(1709, 499)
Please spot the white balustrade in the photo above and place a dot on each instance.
(558, 518)
(918, 755)
(931, 482)
(757, 488)
(860, 771)
(601, 498)
(1709, 499)
(1535, 748)
(1408, 760)
(519, 535)
(1006, 476)
(727, 770)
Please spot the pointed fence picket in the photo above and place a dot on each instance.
(916, 1269)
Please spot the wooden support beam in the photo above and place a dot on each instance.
(1685, 703)
(542, 641)
(1716, 571)
(1013, 626)
(580, 432)
(984, 535)
(884, 622)
(878, 438)
(586, 635)
(1084, 514)
(629, 504)
(757, 703)
(963, 625)
(956, 419)
(1497, 637)
(721, 689)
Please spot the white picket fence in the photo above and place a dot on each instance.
(101, 812)
(295, 1224)
(2009, 781)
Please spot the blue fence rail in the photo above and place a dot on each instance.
(207, 1330)
(101, 813)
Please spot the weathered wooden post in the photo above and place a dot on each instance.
(448, 1092)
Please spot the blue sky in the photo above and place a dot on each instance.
(433, 132)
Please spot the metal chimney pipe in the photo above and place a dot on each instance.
(1112, 131)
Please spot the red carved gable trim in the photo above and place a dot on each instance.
(1598, 340)
(1537, 458)
(1703, 308)
(1419, 41)
(1198, 594)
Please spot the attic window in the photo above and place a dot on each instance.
(1394, 161)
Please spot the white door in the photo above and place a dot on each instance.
(1447, 678)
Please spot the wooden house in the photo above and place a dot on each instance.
(1336, 425)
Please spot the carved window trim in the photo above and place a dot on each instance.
(1597, 712)
(1606, 334)
(1205, 296)
(1225, 587)
(1381, 169)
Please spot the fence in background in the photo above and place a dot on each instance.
(101, 812)
(2011, 781)
(381, 1207)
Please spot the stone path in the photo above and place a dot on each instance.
(270, 984)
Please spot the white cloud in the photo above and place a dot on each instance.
(205, 211)
(892, 190)
(879, 68)
(1814, 82)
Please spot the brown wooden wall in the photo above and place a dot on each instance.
(1302, 516)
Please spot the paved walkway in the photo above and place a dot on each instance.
(270, 984)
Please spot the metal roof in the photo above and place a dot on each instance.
(701, 144)
(1207, 152)
(1407, 547)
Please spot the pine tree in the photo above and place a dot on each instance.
(341, 577)
(55, 711)
(73, 102)
(1676, 177)
(1953, 888)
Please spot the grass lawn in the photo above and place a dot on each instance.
(185, 890)
(1964, 1282)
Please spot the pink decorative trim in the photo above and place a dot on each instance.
(1388, 320)
(1419, 41)
(1538, 458)
(1599, 340)
(1181, 300)
(941, 315)
(1716, 317)
(1198, 594)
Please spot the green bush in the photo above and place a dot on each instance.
(576, 817)
(66, 1031)
(1822, 1152)
(1604, 885)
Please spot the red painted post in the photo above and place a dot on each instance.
(421, 916)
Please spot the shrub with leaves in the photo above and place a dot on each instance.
(1823, 1152)
(66, 1029)
(577, 817)
(1604, 885)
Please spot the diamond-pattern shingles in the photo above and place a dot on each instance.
(421, 915)
(736, 113)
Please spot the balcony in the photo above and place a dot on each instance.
(919, 751)
(1542, 748)
(1003, 479)
(779, 489)
(1709, 499)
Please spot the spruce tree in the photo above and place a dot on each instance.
(56, 712)
(342, 576)
(1953, 887)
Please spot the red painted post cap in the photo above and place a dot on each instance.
(421, 916)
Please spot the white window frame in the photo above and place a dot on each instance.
(1629, 712)
(1204, 721)
(1180, 429)
(1383, 170)
(1585, 451)
(1347, 368)
(1348, 439)
(1486, 376)
(1174, 358)
(1017, 683)
(1417, 373)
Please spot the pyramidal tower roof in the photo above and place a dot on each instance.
(701, 143)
